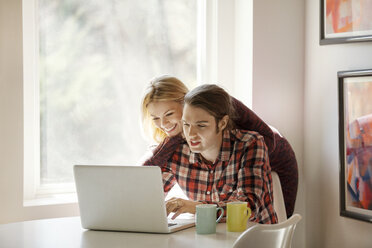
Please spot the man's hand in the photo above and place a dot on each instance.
(179, 206)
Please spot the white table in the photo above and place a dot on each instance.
(68, 233)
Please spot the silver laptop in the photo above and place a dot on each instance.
(124, 198)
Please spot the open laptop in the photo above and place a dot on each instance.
(124, 198)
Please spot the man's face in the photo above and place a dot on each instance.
(201, 133)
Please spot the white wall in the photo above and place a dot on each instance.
(11, 123)
(325, 227)
(278, 79)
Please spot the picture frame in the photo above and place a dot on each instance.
(355, 143)
(345, 21)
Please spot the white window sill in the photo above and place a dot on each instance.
(48, 196)
(51, 199)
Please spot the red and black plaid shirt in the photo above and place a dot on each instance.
(241, 173)
(281, 155)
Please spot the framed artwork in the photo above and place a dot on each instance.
(345, 21)
(355, 143)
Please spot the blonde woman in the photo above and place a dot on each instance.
(162, 109)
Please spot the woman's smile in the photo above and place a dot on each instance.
(170, 129)
(166, 116)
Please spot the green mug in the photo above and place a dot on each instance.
(206, 215)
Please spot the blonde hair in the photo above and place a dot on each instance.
(163, 88)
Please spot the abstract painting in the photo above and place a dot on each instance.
(355, 143)
(345, 21)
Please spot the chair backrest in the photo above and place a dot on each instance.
(279, 204)
(269, 235)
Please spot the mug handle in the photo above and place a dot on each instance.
(221, 215)
(249, 212)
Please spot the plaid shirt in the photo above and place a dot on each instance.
(240, 173)
(281, 155)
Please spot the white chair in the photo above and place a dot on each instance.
(279, 204)
(269, 235)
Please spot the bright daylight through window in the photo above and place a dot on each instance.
(95, 58)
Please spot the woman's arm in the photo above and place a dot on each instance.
(246, 119)
(161, 154)
(164, 151)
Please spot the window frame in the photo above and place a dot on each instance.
(30, 105)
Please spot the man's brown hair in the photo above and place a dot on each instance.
(213, 99)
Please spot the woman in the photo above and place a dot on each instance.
(161, 115)
(218, 164)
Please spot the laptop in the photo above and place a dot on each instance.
(124, 198)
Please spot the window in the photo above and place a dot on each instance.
(87, 63)
(95, 59)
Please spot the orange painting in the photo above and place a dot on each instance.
(347, 18)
